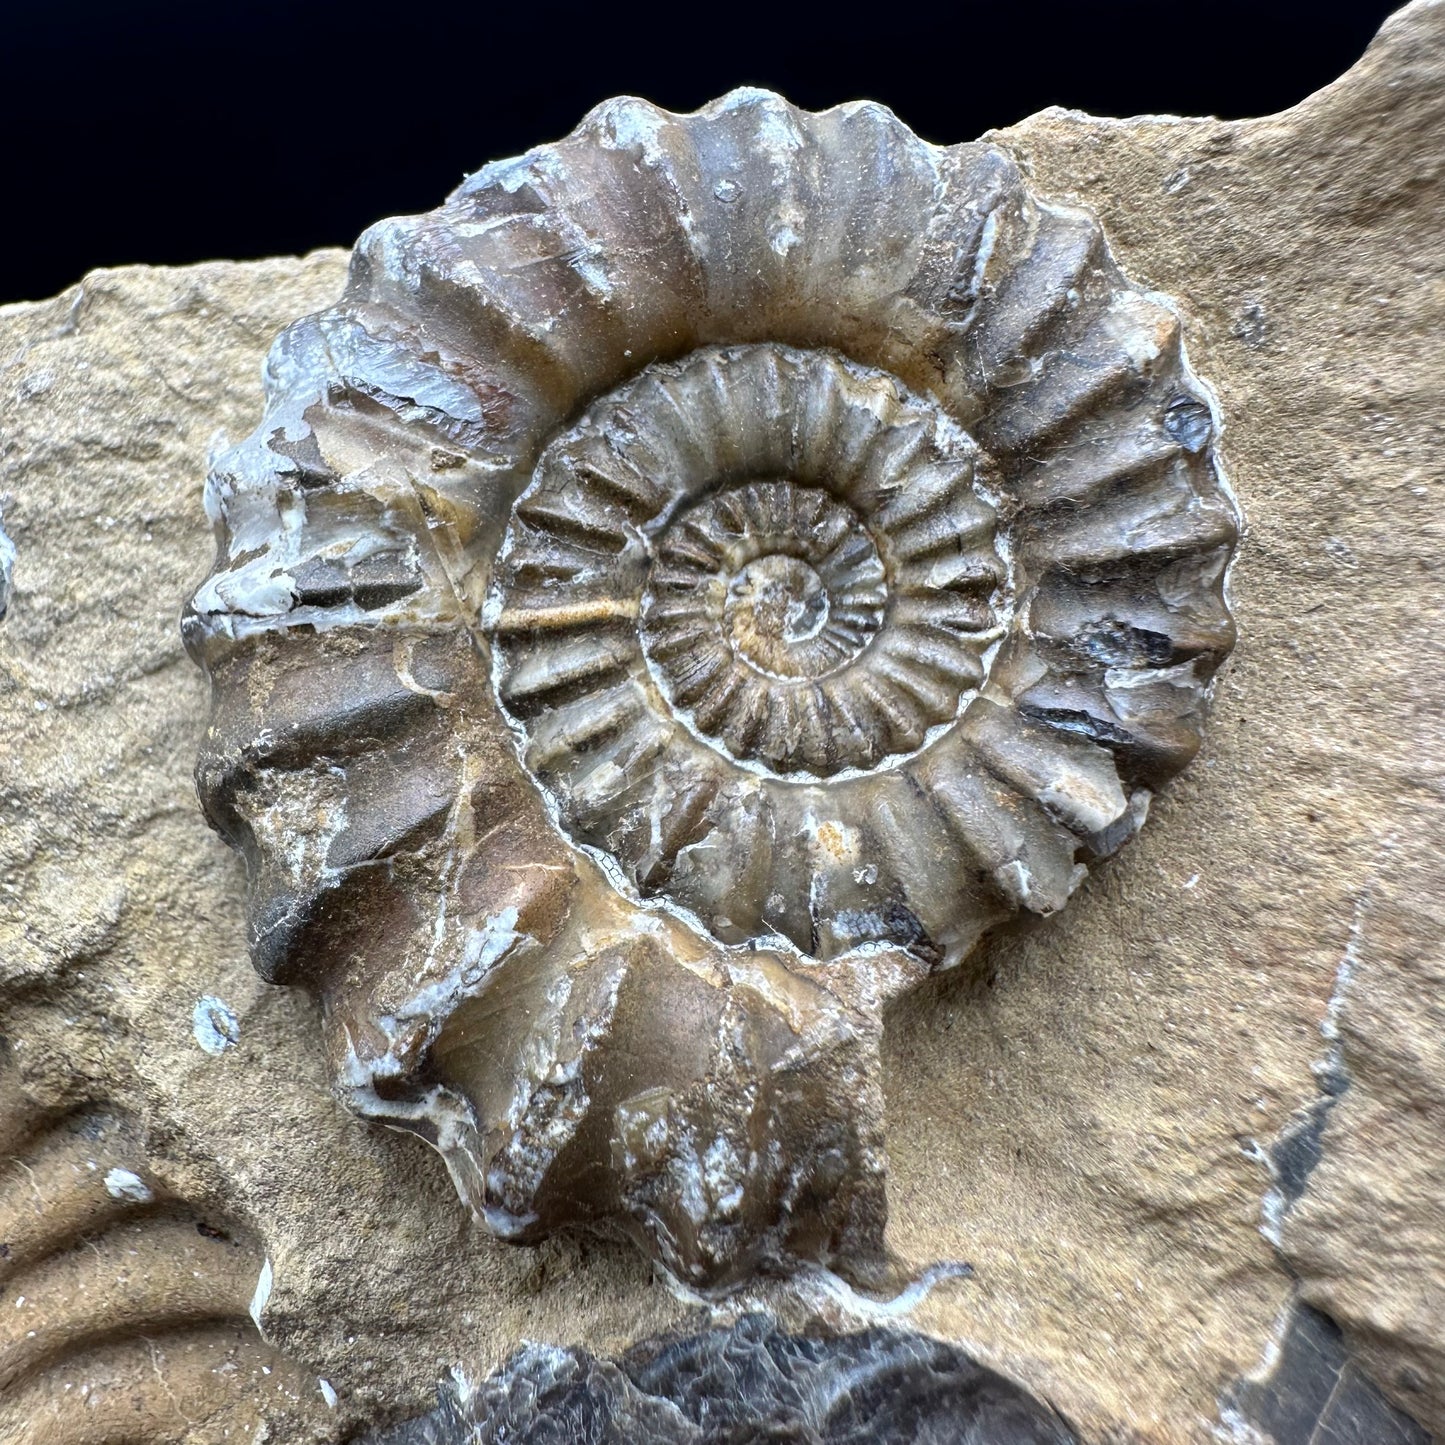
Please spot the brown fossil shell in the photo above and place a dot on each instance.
(693, 585)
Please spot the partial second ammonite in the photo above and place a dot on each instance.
(692, 586)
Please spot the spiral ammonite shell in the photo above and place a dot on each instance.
(737, 579)
(693, 584)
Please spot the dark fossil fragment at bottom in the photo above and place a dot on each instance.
(750, 1383)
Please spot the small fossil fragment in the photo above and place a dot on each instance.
(692, 586)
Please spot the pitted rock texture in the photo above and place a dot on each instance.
(748, 1383)
(607, 774)
(1091, 1124)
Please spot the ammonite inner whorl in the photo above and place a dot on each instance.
(695, 583)
(738, 578)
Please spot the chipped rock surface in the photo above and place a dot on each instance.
(1202, 1100)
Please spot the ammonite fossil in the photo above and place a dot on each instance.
(748, 1382)
(692, 586)
(130, 1315)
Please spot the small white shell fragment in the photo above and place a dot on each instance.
(214, 1025)
(122, 1184)
(262, 1293)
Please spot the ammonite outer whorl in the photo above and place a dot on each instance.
(693, 585)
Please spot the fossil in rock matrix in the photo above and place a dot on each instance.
(747, 1383)
(129, 1313)
(692, 586)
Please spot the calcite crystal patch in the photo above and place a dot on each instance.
(694, 585)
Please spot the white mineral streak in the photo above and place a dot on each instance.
(1330, 1068)
(437, 1114)
(1347, 968)
(441, 1116)
(827, 1297)
(7, 567)
(1231, 1427)
(261, 1296)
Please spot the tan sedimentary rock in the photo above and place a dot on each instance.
(1088, 1124)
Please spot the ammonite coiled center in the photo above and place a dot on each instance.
(624, 685)
(777, 610)
(758, 597)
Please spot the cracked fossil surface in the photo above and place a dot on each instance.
(750, 1382)
(695, 584)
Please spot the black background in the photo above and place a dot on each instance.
(170, 132)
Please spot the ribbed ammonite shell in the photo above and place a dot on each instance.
(132, 1316)
(740, 590)
(692, 585)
